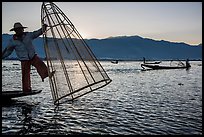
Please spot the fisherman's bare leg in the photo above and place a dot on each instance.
(26, 82)
(40, 66)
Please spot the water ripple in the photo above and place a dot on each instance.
(135, 103)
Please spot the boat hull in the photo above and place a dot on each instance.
(162, 67)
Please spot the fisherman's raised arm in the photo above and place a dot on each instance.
(39, 32)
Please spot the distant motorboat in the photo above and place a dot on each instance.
(114, 61)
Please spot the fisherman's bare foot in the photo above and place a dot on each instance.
(27, 91)
(52, 74)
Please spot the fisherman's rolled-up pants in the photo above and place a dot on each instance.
(26, 67)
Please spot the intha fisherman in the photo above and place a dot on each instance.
(21, 42)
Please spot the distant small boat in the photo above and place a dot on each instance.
(114, 61)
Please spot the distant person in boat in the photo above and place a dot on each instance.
(188, 64)
(144, 60)
(22, 43)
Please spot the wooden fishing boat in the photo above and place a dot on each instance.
(6, 96)
(163, 67)
(155, 66)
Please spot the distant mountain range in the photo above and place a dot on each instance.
(129, 48)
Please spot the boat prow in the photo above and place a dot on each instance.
(7, 95)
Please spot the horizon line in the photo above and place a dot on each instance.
(118, 36)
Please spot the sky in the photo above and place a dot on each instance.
(170, 21)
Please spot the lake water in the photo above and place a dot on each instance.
(156, 102)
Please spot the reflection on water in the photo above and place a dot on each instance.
(135, 103)
(26, 120)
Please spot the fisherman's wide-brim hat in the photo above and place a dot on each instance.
(17, 25)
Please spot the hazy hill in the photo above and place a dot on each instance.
(130, 48)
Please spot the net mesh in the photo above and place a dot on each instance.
(77, 70)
